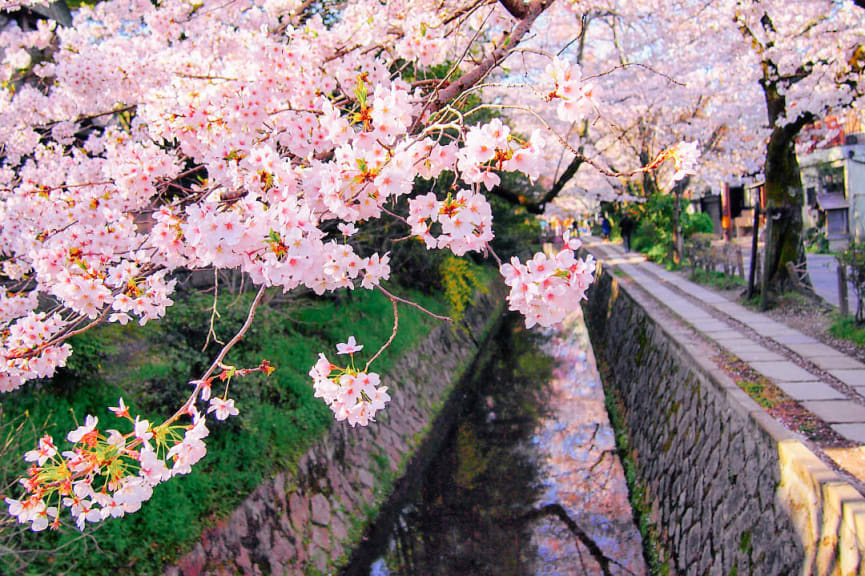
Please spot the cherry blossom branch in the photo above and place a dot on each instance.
(221, 356)
(389, 340)
(638, 65)
(497, 56)
(414, 304)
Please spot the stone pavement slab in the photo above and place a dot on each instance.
(769, 329)
(727, 336)
(810, 391)
(712, 325)
(758, 354)
(837, 411)
(815, 350)
(855, 432)
(839, 362)
(850, 377)
(784, 371)
(795, 338)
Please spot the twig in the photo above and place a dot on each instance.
(410, 303)
(389, 340)
(214, 313)
(222, 353)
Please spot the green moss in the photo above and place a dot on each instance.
(653, 551)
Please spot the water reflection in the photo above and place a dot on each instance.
(527, 480)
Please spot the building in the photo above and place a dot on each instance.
(833, 179)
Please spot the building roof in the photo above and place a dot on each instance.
(832, 201)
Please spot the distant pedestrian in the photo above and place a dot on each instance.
(605, 228)
(627, 225)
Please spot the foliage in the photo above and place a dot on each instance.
(279, 417)
(698, 223)
(460, 279)
(654, 233)
(816, 241)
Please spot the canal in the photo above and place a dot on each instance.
(519, 476)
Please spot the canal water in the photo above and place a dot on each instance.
(523, 478)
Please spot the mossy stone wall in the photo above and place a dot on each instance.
(305, 521)
(707, 456)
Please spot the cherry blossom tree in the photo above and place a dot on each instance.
(808, 59)
(146, 139)
(657, 80)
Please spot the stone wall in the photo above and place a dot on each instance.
(731, 491)
(303, 521)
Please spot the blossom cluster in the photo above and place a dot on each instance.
(465, 221)
(685, 156)
(568, 88)
(353, 395)
(106, 474)
(546, 289)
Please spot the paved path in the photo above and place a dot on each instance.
(819, 386)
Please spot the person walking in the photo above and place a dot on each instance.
(627, 225)
(605, 228)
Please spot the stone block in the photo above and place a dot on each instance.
(299, 511)
(850, 377)
(794, 338)
(836, 411)
(854, 432)
(837, 362)
(784, 371)
(810, 390)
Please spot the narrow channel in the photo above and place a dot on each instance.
(523, 477)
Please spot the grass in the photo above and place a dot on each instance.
(279, 417)
(717, 279)
(846, 328)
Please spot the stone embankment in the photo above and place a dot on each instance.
(731, 491)
(305, 521)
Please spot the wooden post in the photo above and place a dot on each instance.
(765, 264)
(843, 306)
(740, 263)
(755, 233)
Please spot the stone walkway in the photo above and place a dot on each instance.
(842, 407)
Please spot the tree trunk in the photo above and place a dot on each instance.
(783, 241)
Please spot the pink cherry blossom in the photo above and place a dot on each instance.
(349, 347)
(222, 408)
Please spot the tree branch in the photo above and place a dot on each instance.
(474, 76)
(537, 206)
(516, 8)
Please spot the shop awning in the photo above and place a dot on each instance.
(832, 202)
